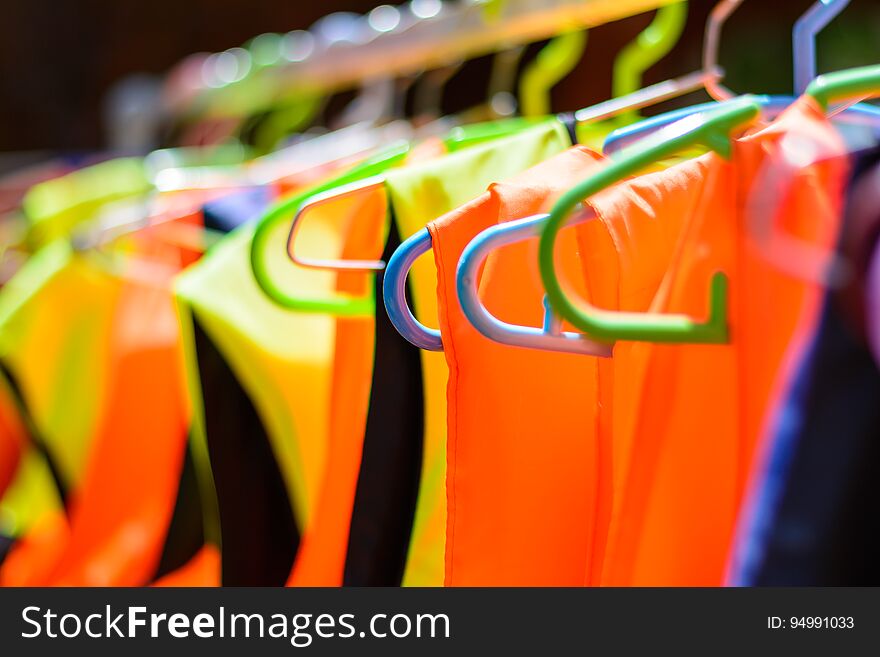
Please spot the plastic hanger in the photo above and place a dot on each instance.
(341, 304)
(711, 132)
(562, 55)
(452, 31)
(651, 45)
(711, 129)
(804, 52)
(842, 86)
(556, 60)
(711, 83)
(712, 45)
(813, 21)
(559, 57)
(458, 138)
(549, 337)
(361, 178)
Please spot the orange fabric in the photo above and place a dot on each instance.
(120, 510)
(202, 570)
(181, 210)
(323, 547)
(321, 557)
(123, 507)
(44, 543)
(679, 422)
(521, 422)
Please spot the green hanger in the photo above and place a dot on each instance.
(845, 85)
(556, 60)
(373, 168)
(562, 55)
(342, 304)
(649, 47)
(465, 136)
(553, 63)
(712, 130)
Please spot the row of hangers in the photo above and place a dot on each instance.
(631, 146)
(223, 83)
(632, 149)
(344, 51)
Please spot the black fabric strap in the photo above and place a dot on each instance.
(259, 535)
(186, 532)
(388, 481)
(35, 437)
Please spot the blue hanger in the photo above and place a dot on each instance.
(394, 293)
(394, 285)
(771, 106)
(708, 127)
(804, 52)
(550, 337)
(503, 234)
(803, 39)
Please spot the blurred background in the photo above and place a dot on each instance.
(59, 60)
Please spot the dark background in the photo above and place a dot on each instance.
(58, 58)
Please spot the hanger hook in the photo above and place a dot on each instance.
(806, 28)
(711, 129)
(711, 44)
(650, 46)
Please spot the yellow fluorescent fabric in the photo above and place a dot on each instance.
(55, 320)
(31, 495)
(55, 206)
(282, 359)
(419, 194)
